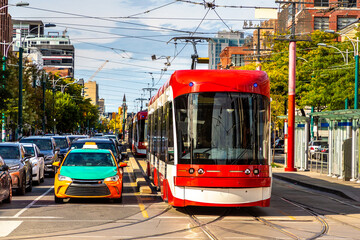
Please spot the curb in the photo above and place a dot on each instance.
(141, 183)
(319, 188)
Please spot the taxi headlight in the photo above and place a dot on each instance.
(64, 178)
(112, 179)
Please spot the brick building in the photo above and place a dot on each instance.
(320, 15)
(232, 57)
(5, 25)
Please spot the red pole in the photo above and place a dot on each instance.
(291, 108)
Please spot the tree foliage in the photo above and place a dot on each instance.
(323, 79)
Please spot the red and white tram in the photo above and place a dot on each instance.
(208, 134)
(139, 133)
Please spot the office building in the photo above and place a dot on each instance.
(222, 40)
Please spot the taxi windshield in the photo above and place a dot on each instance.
(89, 159)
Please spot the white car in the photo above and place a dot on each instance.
(37, 162)
(315, 146)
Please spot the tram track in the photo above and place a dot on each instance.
(203, 226)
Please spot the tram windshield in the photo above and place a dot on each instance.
(222, 128)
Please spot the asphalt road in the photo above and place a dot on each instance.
(295, 213)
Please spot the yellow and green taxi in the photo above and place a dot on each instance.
(89, 173)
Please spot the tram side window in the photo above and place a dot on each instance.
(149, 136)
(163, 132)
(135, 131)
(155, 124)
(158, 132)
(170, 135)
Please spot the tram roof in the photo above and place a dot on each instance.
(191, 81)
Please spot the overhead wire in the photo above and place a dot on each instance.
(153, 9)
(105, 19)
(192, 34)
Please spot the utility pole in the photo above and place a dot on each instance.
(141, 100)
(43, 82)
(258, 49)
(290, 166)
(124, 112)
(20, 104)
(3, 131)
(193, 41)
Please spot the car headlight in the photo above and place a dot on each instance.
(112, 179)
(64, 178)
(14, 168)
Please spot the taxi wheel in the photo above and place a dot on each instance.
(58, 200)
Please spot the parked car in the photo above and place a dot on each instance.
(5, 183)
(19, 166)
(315, 145)
(73, 137)
(62, 142)
(37, 162)
(89, 173)
(279, 145)
(102, 143)
(47, 146)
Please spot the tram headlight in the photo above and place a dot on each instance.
(191, 170)
(247, 171)
(256, 171)
(201, 171)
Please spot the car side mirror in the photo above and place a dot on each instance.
(56, 164)
(57, 149)
(27, 155)
(122, 164)
(5, 168)
(41, 155)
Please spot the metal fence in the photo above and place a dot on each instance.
(318, 162)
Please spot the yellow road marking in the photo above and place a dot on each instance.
(285, 214)
(138, 198)
(143, 210)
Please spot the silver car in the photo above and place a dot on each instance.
(37, 162)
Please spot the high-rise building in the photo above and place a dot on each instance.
(101, 104)
(6, 26)
(92, 92)
(56, 49)
(222, 40)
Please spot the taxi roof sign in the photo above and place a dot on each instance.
(90, 145)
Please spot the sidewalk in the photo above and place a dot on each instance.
(321, 182)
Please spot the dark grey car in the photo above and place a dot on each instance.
(19, 166)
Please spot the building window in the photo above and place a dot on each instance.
(237, 60)
(344, 21)
(347, 3)
(321, 3)
(321, 23)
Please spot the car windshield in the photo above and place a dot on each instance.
(61, 142)
(8, 152)
(43, 144)
(89, 159)
(109, 146)
(30, 150)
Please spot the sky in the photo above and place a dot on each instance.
(126, 33)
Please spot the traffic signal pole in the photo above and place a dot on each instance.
(20, 105)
